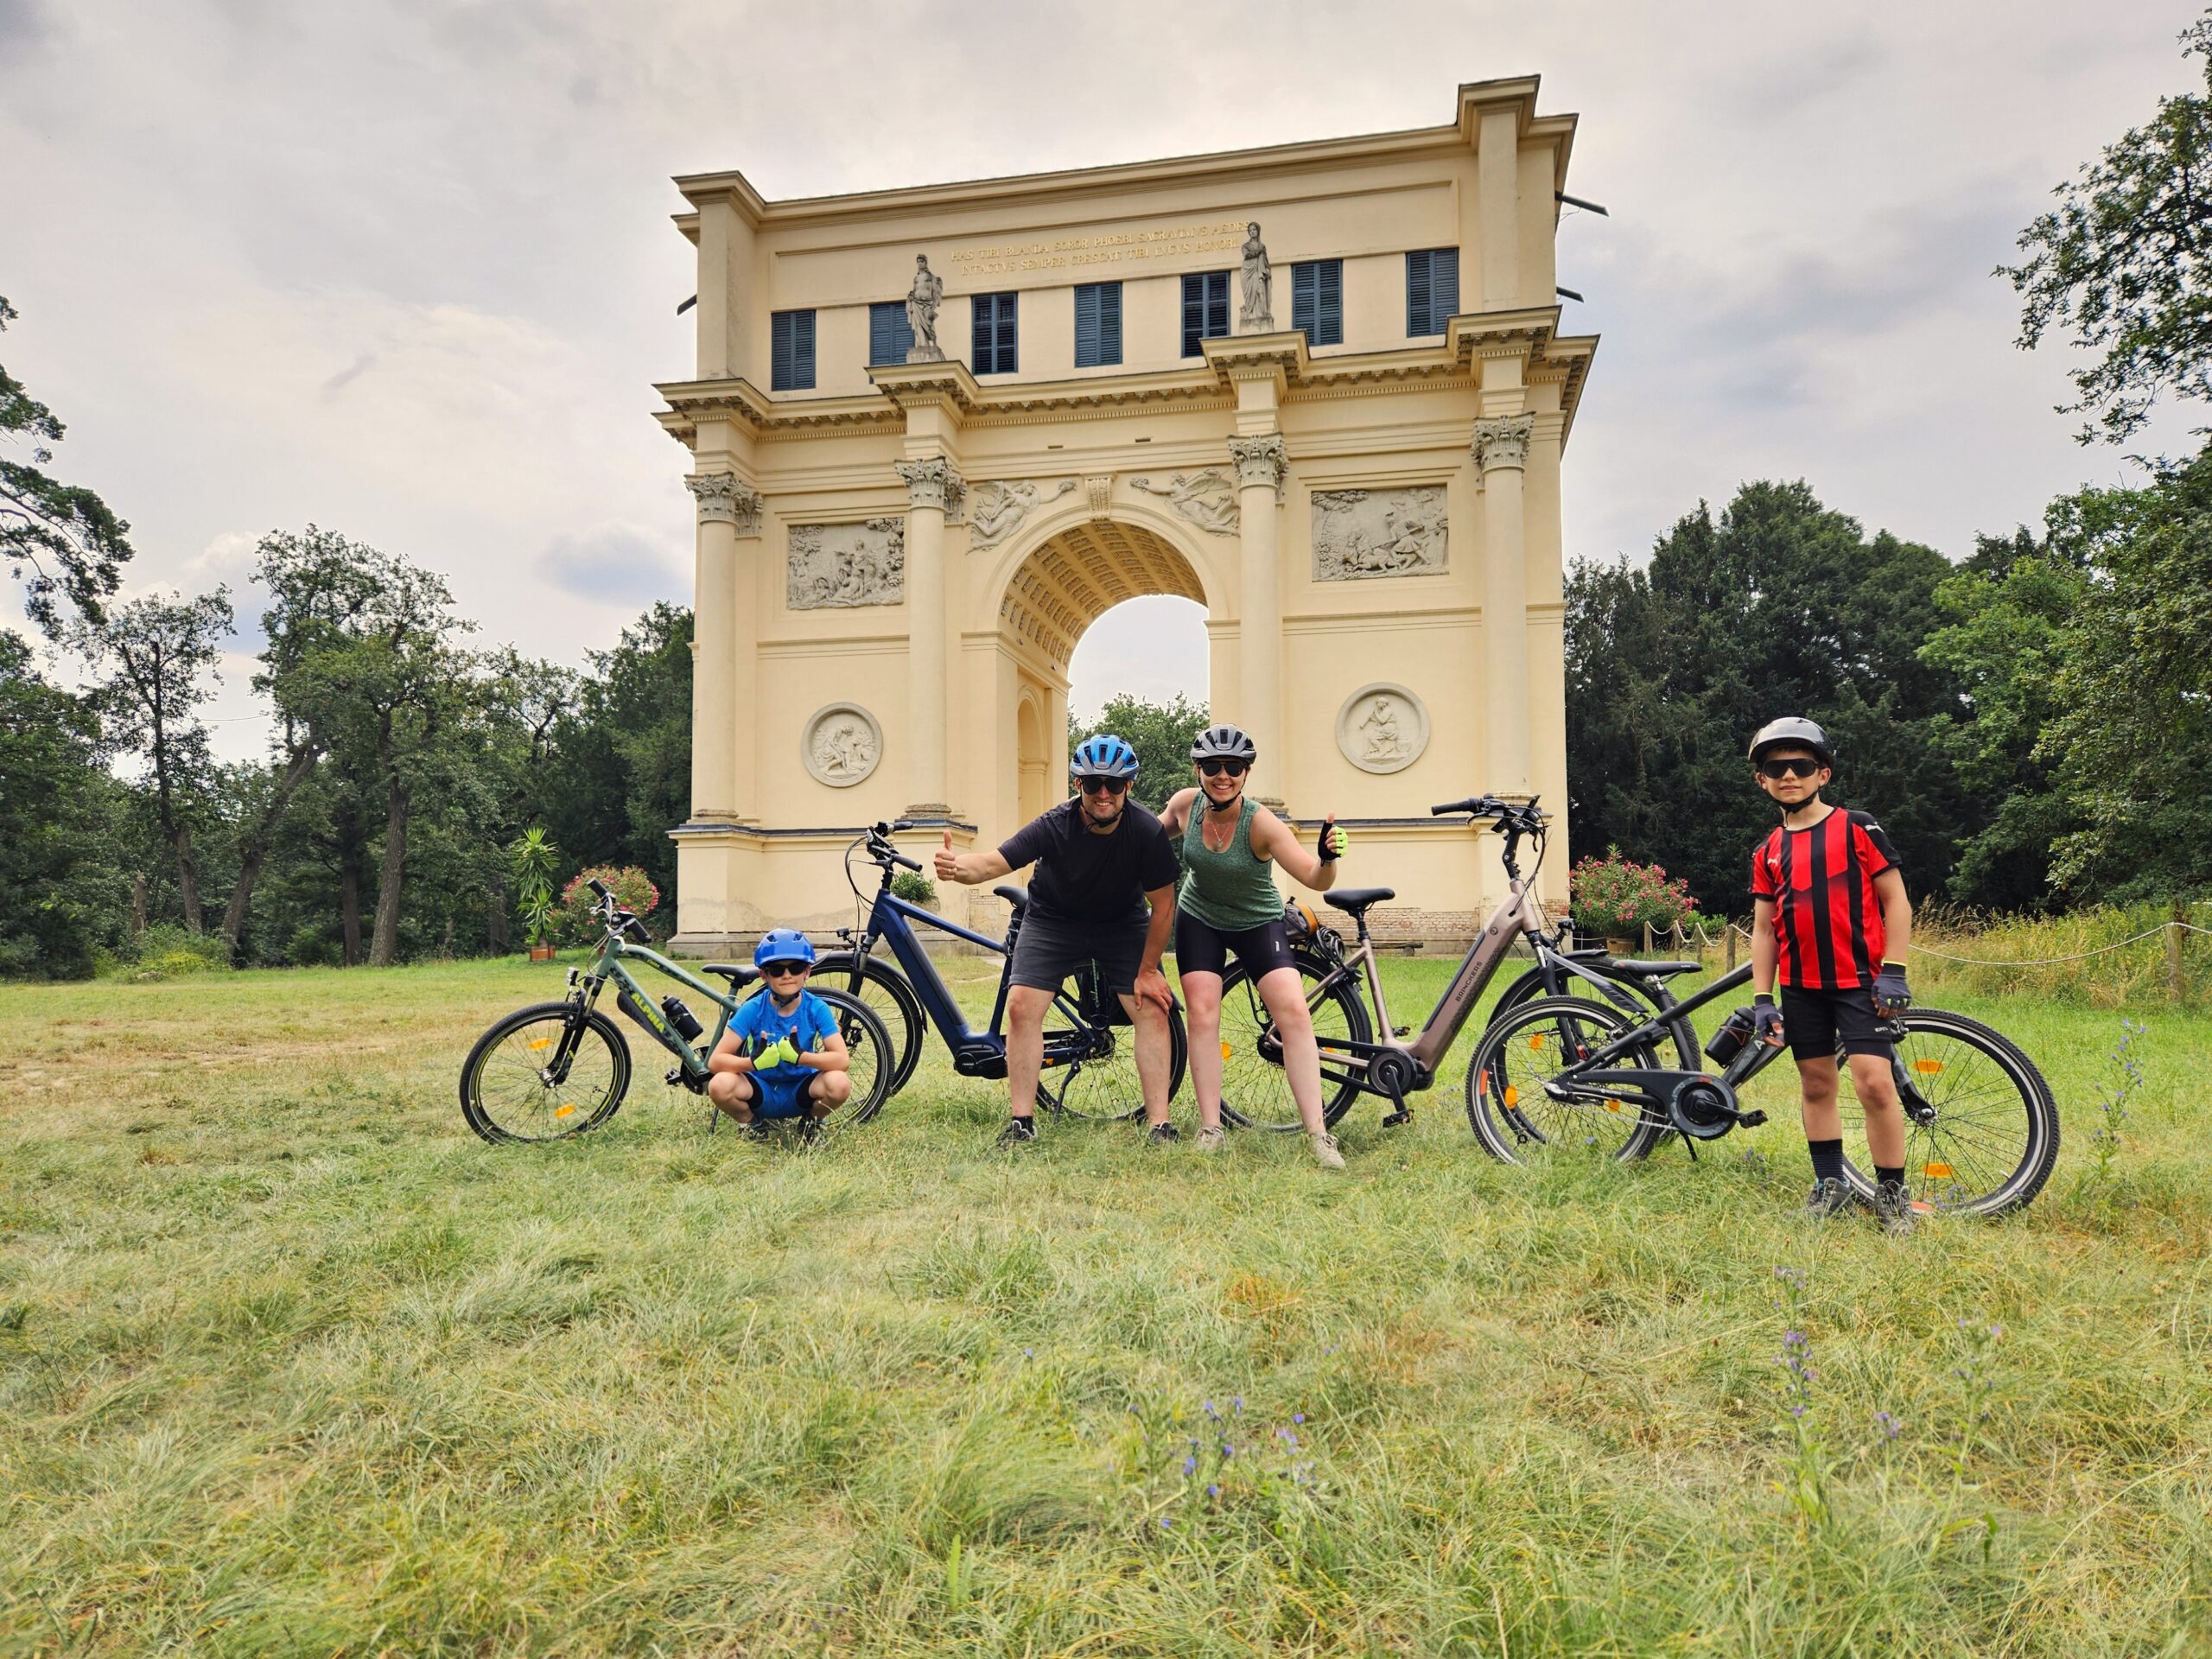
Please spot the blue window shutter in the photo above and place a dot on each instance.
(1417, 295)
(791, 351)
(1009, 355)
(802, 351)
(780, 353)
(983, 341)
(1329, 302)
(1109, 322)
(889, 339)
(1218, 304)
(1194, 315)
(993, 322)
(1305, 294)
(1087, 304)
(1443, 283)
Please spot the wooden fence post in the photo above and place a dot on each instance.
(1731, 930)
(2175, 986)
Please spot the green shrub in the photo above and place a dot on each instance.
(167, 951)
(1616, 898)
(914, 887)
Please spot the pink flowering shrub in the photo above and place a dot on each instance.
(1613, 897)
(632, 885)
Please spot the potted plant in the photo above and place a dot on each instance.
(532, 858)
(1616, 898)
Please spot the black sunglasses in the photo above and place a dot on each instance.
(1105, 786)
(1790, 766)
(777, 970)
(1215, 768)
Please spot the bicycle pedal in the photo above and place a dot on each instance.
(1393, 1120)
(1750, 1120)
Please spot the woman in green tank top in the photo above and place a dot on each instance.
(1227, 904)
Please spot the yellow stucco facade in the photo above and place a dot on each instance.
(895, 562)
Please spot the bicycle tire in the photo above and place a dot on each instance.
(1958, 1165)
(885, 989)
(520, 1096)
(1510, 1131)
(1530, 986)
(1105, 1089)
(1252, 1074)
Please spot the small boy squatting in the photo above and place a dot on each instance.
(782, 1057)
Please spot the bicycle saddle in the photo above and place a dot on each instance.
(1015, 895)
(1655, 969)
(740, 974)
(1353, 901)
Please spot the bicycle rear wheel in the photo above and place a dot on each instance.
(1981, 1126)
(1514, 1116)
(886, 992)
(505, 1095)
(1255, 1089)
(1105, 1086)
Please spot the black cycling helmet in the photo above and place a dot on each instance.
(1794, 731)
(1224, 743)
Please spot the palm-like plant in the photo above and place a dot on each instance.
(532, 856)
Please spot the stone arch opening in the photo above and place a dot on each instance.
(1074, 576)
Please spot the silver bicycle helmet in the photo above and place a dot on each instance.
(1224, 743)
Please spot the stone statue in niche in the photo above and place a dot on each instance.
(1207, 499)
(843, 565)
(1360, 533)
(1257, 315)
(1380, 739)
(922, 301)
(995, 510)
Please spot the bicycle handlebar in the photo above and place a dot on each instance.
(879, 843)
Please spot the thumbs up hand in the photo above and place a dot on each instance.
(948, 861)
(1333, 840)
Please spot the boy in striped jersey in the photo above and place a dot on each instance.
(1831, 924)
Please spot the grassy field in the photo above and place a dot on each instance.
(291, 1363)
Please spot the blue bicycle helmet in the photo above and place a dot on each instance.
(1102, 756)
(783, 944)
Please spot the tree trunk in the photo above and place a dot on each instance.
(188, 875)
(352, 855)
(255, 846)
(383, 949)
(138, 907)
(495, 918)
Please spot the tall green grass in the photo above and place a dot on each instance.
(290, 1363)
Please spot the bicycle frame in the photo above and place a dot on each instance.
(609, 964)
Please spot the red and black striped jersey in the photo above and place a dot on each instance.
(1827, 918)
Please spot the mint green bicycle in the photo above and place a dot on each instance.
(555, 1070)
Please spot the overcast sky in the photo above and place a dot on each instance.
(404, 269)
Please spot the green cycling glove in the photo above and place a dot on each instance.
(1334, 841)
(782, 1051)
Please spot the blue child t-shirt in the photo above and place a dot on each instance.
(757, 1025)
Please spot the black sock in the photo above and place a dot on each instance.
(1889, 1176)
(1827, 1159)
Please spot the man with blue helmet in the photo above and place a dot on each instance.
(1100, 860)
(782, 1057)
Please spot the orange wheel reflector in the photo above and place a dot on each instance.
(564, 1111)
(1226, 1051)
(542, 1042)
(1937, 1172)
(1512, 1095)
(1536, 1042)
(1613, 1105)
(1928, 1067)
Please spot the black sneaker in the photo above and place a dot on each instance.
(1162, 1135)
(1894, 1208)
(1019, 1132)
(1828, 1197)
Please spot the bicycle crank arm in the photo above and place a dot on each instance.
(1695, 1103)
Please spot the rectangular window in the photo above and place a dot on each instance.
(1098, 324)
(1205, 309)
(1316, 301)
(994, 334)
(790, 335)
(889, 339)
(1431, 290)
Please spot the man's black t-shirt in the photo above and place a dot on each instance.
(1082, 877)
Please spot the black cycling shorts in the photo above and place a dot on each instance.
(1203, 949)
(1049, 951)
(1813, 1023)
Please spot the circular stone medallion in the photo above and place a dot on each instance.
(840, 744)
(1383, 727)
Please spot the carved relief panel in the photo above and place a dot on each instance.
(842, 744)
(1383, 727)
(1359, 533)
(833, 565)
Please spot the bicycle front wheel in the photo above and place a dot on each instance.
(1981, 1127)
(1255, 1089)
(888, 996)
(1517, 1116)
(507, 1093)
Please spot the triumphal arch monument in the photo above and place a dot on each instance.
(1319, 388)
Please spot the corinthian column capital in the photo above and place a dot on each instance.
(726, 498)
(1261, 461)
(1503, 443)
(932, 483)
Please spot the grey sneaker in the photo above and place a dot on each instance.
(1211, 1138)
(1162, 1135)
(1894, 1208)
(1019, 1132)
(1325, 1150)
(1828, 1197)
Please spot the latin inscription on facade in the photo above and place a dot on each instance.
(835, 565)
(1117, 247)
(1360, 533)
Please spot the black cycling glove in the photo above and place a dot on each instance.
(1892, 993)
(1766, 1019)
(1332, 842)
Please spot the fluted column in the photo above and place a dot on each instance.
(1501, 449)
(1261, 462)
(932, 487)
(722, 650)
